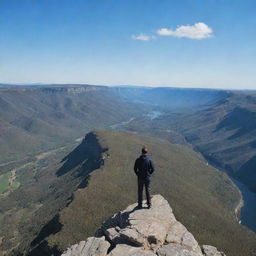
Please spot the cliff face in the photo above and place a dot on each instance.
(142, 232)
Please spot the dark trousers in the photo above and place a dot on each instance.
(141, 184)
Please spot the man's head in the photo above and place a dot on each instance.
(144, 150)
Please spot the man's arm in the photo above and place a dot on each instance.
(135, 168)
(152, 167)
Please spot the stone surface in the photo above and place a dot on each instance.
(209, 250)
(91, 247)
(126, 250)
(175, 250)
(147, 228)
(178, 234)
(143, 232)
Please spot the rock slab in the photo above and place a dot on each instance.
(91, 247)
(142, 232)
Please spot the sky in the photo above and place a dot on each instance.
(182, 43)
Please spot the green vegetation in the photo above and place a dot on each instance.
(40, 124)
(223, 132)
(15, 185)
(8, 182)
(47, 184)
(1, 218)
(202, 198)
(4, 182)
(50, 117)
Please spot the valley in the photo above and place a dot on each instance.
(8, 180)
(16, 204)
(38, 119)
(246, 208)
(43, 148)
(204, 129)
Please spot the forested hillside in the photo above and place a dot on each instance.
(36, 119)
(202, 197)
(56, 185)
(224, 132)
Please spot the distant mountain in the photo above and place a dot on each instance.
(36, 119)
(172, 98)
(224, 132)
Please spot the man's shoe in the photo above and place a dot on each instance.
(139, 206)
(149, 206)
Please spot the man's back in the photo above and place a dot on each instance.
(143, 167)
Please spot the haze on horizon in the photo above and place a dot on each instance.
(200, 43)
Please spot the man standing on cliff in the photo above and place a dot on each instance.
(143, 168)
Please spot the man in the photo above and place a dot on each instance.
(143, 168)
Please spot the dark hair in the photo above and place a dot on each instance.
(144, 150)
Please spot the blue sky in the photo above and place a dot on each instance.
(182, 43)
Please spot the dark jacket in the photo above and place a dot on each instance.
(143, 167)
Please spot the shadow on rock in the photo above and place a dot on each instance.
(86, 156)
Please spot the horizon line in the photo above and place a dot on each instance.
(123, 85)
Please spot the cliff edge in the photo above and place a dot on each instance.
(142, 232)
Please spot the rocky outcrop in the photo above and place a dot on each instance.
(143, 232)
(209, 250)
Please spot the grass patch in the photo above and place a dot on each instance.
(15, 185)
(1, 219)
(4, 182)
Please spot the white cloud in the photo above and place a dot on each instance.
(142, 37)
(197, 31)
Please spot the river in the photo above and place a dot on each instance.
(248, 208)
(248, 211)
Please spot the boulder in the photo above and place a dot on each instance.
(178, 234)
(175, 250)
(91, 247)
(209, 250)
(144, 227)
(126, 250)
(142, 232)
